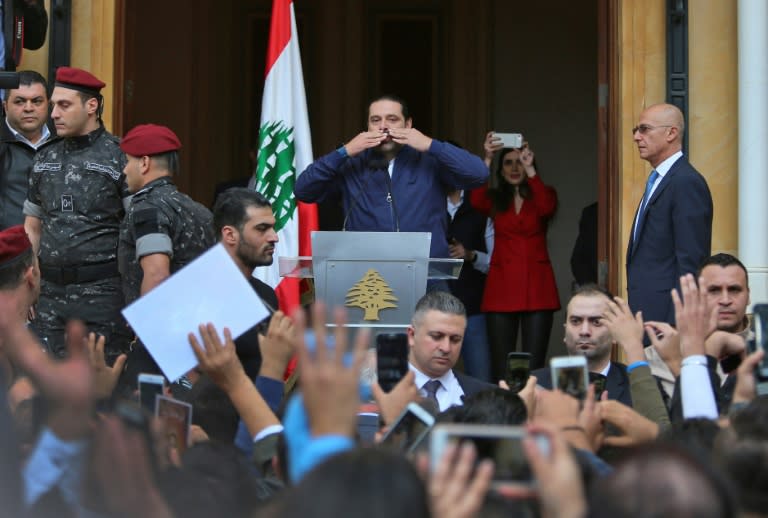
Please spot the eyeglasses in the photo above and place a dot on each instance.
(645, 128)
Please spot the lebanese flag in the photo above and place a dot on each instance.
(285, 150)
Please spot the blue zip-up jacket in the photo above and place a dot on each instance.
(413, 200)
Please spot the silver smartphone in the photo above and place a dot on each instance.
(501, 444)
(514, 140)
(570, 375)
(150, 386)
(409, 429)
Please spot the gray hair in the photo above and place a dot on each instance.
(441, 301)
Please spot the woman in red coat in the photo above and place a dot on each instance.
(520, 291)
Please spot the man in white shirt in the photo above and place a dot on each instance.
(727, 284)
(435, 337)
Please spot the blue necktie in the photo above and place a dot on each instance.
(647, 196)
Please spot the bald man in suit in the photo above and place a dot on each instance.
(672, 230)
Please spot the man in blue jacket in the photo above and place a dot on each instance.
(392, 177)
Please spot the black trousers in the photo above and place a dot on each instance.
(502, 334)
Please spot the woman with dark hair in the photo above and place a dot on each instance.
(520, 291)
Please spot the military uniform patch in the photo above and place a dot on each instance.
(47, 166)
(99, 168)
(67, 203)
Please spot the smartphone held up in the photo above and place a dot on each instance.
(518, 371)
(391, 359)
(501, 444)
(570, 375)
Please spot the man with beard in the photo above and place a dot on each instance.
(587, 335)
(244, 223)
(392, 177)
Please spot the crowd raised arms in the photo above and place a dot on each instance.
(275, 422)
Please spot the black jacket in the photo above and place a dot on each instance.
(617, 383)
(468, 228)
(15, 163)
(247, 344)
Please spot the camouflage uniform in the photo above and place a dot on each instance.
(161, 220)
(77, 189)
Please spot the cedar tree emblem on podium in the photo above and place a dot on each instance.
(372, 294)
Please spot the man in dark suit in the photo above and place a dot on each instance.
(672, 230)
(435, 337)
(586, 335)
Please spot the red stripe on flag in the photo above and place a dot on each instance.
(307, 223)
(288, 294)
(279, 31)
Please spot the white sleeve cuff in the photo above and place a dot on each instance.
(269, 430)
(696, 389)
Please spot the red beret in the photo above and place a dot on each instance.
(13, 243)
(149, 139)
(78, 79)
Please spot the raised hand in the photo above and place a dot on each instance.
(666, 341)
(694, 315)
(634, 429)
(411, 137)
(364, 140)
(626, 329)
(219, 361)
(746, 384)
(526, 158)
(491, 145)
(456, 488)
(104, 377)
(278, 346)
(392, 403)
(558, 478)
(329, 388)
(66, 385)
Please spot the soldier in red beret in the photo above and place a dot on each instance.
(163, 229)
(74, 208)
(18, 267)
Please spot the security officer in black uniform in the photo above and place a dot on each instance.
(74, 208)
(163, 229)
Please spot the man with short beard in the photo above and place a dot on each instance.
(586, 334)
(244, 223)
(392, 177)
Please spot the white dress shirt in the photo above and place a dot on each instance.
(450, 392)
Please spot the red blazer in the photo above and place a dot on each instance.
(520, 277)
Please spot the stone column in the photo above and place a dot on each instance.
(753, 152)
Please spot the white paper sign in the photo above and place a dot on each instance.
(209, 289)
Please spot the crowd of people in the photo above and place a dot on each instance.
(677, 430)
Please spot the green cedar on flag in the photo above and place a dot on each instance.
(285, 149)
